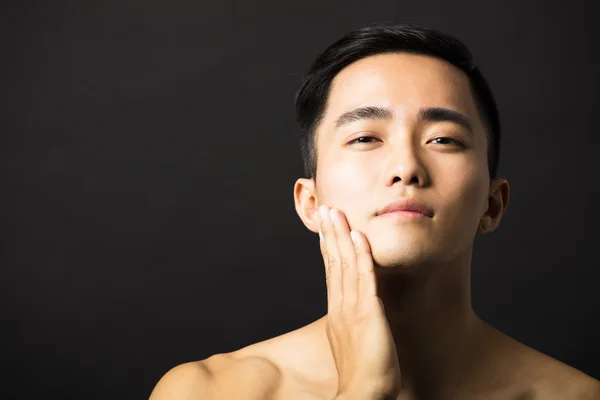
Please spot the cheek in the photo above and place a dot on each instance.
(467, 194)
(345, 179)
(346, 186)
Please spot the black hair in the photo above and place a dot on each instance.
(311, 98)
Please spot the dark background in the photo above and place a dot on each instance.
(149, 152)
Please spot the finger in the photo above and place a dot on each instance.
(367, 285)
(347, 259)
(324, 253)
(331, 259)
(317, 221)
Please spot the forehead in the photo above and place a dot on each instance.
(402, 82)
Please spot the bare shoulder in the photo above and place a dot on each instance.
(561, 381)
(587, 388)
(553, 379)
(297, 364)
(190, 380)
(222, 376)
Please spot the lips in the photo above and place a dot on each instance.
(411, 205)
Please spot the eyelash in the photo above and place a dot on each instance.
(371, 137)
(458, 142)
(362, 137)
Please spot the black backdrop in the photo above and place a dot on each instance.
(149, 153)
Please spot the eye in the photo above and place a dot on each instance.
(363, 139)
(444, 140)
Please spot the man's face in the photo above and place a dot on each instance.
(406, 155)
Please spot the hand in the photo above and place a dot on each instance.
(359, 334)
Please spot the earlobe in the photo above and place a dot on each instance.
(483, 226)
(306, 203)
(497, 203)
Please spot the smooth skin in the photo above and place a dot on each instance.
(416, 336)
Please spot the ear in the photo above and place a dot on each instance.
(498, 199)
(306, 202)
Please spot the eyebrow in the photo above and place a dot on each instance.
(363, 113)
(439, 114)
(429, 114)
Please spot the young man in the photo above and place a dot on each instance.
(401, 146)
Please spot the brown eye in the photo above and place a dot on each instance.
(363, 139)
(445, 140)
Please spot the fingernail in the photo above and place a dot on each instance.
(354, 237)
(333, 215)
(320, 236)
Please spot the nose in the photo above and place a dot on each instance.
(405, 164)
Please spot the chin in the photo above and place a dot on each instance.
(402, 255)
(403, 250)
(400, 261)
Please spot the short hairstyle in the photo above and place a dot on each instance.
(311, 98)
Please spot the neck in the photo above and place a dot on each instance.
(436, 332)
